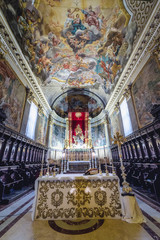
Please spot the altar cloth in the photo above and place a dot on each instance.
(77, 197)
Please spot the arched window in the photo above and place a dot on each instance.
(32, 120)
(127, 125)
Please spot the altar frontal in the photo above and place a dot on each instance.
(77, 197)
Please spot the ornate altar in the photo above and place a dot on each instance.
(78, 152)
(77, 197)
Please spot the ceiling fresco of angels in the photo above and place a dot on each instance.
(74, 44)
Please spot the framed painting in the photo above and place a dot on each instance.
(12, 96)
(146, 91)
(42, 129)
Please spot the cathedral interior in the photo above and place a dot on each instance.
(79, 119)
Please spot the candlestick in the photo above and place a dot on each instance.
(100, 171)
(41, 172)
(47, 169)
(54, 172)
(119, 140)
(113, 171)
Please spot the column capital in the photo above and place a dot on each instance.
(29, 95)
(127, 91)
(50, 120)
(117, 107)
(40, 110)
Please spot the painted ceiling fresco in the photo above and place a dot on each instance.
(73, 43)
(79, 102)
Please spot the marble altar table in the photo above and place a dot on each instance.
(76, 196)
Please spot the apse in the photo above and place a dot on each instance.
(78, 101)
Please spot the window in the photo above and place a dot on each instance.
(32, 120)
(127, 126)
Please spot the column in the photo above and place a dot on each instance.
(92, 163)
(90, 158)
(67, 134)
(68, 161)
(95, 161)
(65, 161)
(89, 133)
(106, 127)
(49, 135)
(62, 162)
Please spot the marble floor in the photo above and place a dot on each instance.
(16, 224)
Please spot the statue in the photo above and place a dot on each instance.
(78, 138)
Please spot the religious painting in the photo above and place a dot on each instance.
(58, 136)
(12, 96)
(98, 136)
(42, 129)
(73, 44)
(146, 91)
(77, 103)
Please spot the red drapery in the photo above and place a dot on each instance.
(78, 127)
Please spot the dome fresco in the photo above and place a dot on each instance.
(82, 101)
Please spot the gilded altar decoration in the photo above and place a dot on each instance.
(78, 198)
(78, 114)
(100, 197)
(57, 198)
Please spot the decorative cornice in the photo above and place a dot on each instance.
(150, 33)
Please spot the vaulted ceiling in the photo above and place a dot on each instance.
(76, 45)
